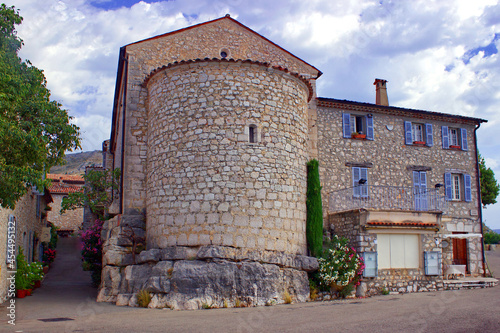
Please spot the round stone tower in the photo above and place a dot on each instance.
(227, 153)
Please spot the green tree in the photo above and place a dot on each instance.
(314, 224)
(35, 132)
(99, 185)
(489, 185)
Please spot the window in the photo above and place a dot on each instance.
(355, 123)
(454, 138)
(418, 134)
(420, 190)
(360, 182)
(398, 251)
(252, 133)
(457, 187)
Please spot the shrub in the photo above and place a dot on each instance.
(35, 272)
(92, 251)
(143, 298)
(491, 238)
(314, 224)
(22, 279)
(287, 297)
(340, 266)
(49, 255)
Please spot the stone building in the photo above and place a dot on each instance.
(24, 226)
(61, 186)
(212, 128)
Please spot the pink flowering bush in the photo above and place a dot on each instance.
(92, 250)
(48, 257)
(340, 267)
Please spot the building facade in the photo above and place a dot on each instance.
(62, 185)
(212, 128)
(22, 226)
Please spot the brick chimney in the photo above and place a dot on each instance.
(381, 92)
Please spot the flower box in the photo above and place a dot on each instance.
(454, 147)
(422, 143)
(358, 136)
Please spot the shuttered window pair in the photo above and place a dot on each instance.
(416, 133)
(360, 182)
(457, 187)
(454, 138)
(360, 124)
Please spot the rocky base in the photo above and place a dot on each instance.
(200, 277)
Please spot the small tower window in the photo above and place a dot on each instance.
(252, 133)
(223, 54)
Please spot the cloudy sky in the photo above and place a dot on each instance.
(437, 55)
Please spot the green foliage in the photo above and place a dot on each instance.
(54, 237)
(491, 238)
(99, 185)
(22, 279)
(143, 298)
(489, 185)
(314, 226)
(340, 266)
(34, 131)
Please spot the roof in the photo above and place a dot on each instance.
(417, 225)
(369, 107)
(64, 189)
(64, 177)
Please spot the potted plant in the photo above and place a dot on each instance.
(454, 147)
(22, 280)
(422, 143)
(36, 274)
(356, 135)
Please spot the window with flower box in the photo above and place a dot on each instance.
(357, 126)
(418, 134)
(454, 138)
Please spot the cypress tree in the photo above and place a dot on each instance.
(314, 223)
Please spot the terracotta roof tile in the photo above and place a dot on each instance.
(57, 176)
(64, 189)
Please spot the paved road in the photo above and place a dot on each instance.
(67, 293)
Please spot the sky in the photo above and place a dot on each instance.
(436, 55)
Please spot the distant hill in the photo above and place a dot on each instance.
(497, 231)
(76, 162)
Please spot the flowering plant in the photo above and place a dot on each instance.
(35, 271)
(340, 265)
(92, 250)
(49, 255)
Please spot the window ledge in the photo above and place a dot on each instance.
(456, 147)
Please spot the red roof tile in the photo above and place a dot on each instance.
(58, 176)
(64, 189)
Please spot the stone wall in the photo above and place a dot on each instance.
(28, 225)
(391, 162)
(206, 183)
(70, 220)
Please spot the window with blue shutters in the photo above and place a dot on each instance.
(357, 124)
(458, 187)
(418, 134)
(360, 182)
(420, 190)
(454, 138)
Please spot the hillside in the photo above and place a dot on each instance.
(76, 162)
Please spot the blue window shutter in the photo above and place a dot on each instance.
(408, 138)
(346, 125)
(428, 133)
(463, 135)
(467, 187)
(356, 175)
(423, 190)
(369, 128)
(446, 139)
(447, 186)
(364, 188)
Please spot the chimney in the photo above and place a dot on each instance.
(381, 92)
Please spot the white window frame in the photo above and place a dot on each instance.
(454, 136)
(354, 124)
(456, 187)
(417, 132)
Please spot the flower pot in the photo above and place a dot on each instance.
(358, 136)
(45, 269)
(21, 293)
(454, 147)
(38, 284)
(29, 292)
(419, 143)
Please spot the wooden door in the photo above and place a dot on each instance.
(460, 252)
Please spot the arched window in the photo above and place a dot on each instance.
(252, 133)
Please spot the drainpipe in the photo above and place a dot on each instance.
(479, 204)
